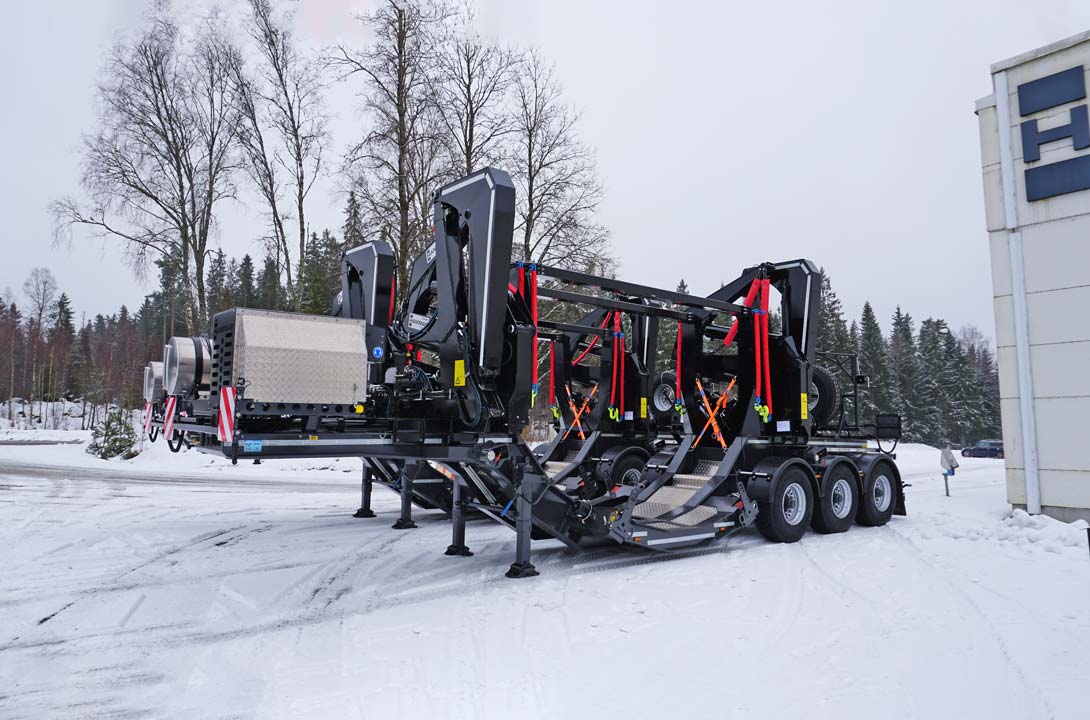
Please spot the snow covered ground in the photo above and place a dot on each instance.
(211, 591)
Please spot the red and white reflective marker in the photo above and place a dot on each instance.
(227, 415)
(147, 418)
(168, 416)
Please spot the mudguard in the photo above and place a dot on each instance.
(828, 465)
(865, 463)
(767, 472)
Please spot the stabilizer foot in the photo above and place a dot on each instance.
(364, 513)
(458, 550)
(522, 570)
(403, 524)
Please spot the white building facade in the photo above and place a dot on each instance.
(1035, 151)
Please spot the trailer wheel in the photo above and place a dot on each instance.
(837, 506)
(879, 495)
(627, 470)
(824, 400)
(787, 514)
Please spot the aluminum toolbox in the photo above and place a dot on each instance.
(291, 358)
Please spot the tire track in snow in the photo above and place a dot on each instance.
(935, 564)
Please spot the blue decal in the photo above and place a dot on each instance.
(1048, 92)
(1065, 176)
(251, 446)
(378, 352)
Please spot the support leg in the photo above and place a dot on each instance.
(365, 495)
(405, 522)
(522, 567)
(458, 517)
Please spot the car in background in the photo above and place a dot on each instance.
(984, 448)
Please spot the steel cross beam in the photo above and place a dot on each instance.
(633, 289)
(630, 307)
(564, 327)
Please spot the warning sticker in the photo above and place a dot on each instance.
(643, 407)
(804, 409)
(459, 373)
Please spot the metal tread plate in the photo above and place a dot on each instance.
(664, 500)
(697, 516)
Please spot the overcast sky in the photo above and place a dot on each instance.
(727, 134)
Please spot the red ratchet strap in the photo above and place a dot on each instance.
(733, 332)
(757, 351)
(393, 295)
(613, 384)
(765, 285)
(593, 341)
(533, 315)
(552, 373)
(522, 279)
(621, 357)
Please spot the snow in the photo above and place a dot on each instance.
(25, 415)
(179, 586)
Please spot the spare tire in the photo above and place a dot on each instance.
(663, 397)
(824, 400)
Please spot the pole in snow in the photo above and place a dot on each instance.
(949, 464)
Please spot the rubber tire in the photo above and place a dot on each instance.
(824, 520)
(628, 461)
(868, 514)
(662, 417)
(965, 453)
(770, 520)
(828, 402)
(999, 455)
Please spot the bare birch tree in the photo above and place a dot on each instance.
(159, 159)
(397, 163)
(261, 164)
(40, 289)
(557, 186)
(471, 80)
(292, 93)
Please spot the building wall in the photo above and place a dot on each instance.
(1055, 236)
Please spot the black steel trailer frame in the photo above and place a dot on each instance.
(459, 413)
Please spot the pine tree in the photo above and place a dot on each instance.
(311, 286)
(874, 363)
(246, 294)
(902, 364)
(930, 392)
(961, 393)
(270, 294)
(832, 330)
(216, 286)
(353, 223)
(15, 320)
(987, 379)
(173, 299)
(62, 335)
